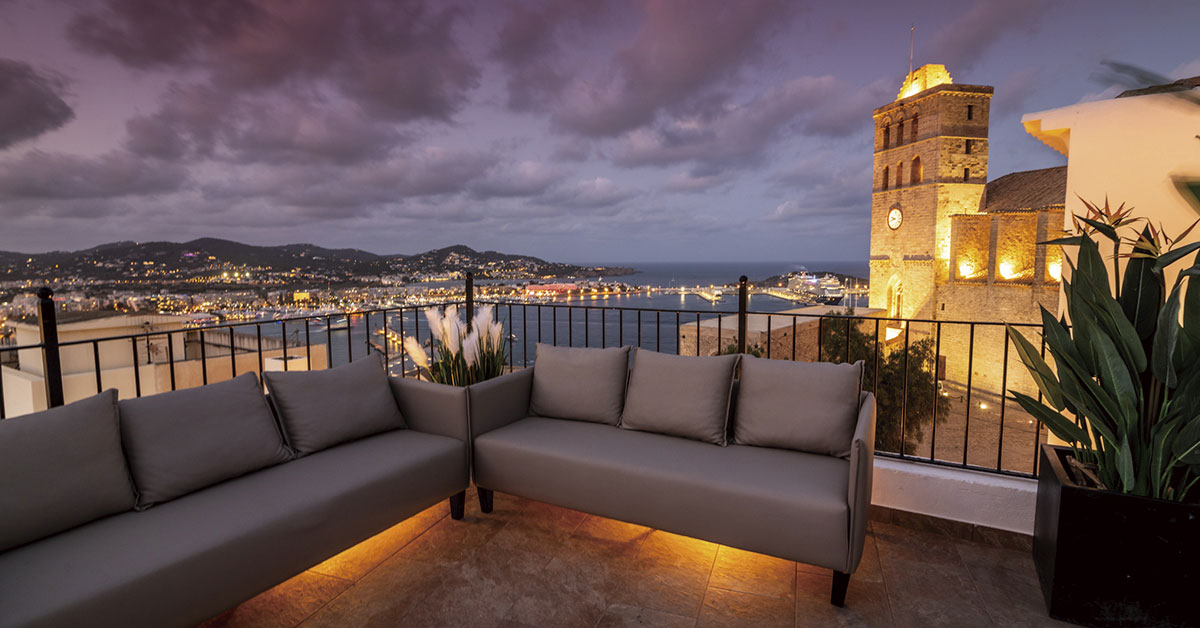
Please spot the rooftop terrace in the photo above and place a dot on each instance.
(533, 564)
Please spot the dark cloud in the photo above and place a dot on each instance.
(696, 181)
(847, 111)
(724, 134)
(57, 176)
(30, 103)
(678, 49)
(963, 42)
(527, 178)
(595, 193)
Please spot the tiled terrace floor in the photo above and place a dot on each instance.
(533, 564)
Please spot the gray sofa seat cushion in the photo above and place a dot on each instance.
(61, 468)
(186, 560)
(320, 409)
(680, 395)
(580, 384)
(784, 503)
(183, 441)
(806, 406)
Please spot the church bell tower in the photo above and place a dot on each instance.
(931, 147)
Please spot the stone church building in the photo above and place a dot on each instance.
(947, 244)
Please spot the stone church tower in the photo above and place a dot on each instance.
(931, 163)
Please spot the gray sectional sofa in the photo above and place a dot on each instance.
(167, 510)
(778, 462)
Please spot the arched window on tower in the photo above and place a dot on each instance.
(914, 129)
(886, 172)
(899, 132)
(887, 136)
(915, 175)
(900, 174)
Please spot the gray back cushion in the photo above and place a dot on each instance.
(320, 409)
(580, 384)
(806, 406)
(679, 395)
(183, 441)
(61, 468)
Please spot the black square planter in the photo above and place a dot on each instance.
(1106, 559)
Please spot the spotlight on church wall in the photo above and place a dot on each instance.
(966, 270)
(1007, 270)
(1055, 269)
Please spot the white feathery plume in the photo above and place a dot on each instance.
(453, 331)
(416, 352)
(434, 316)
(495, 333)
(470, 348)
(482, 318)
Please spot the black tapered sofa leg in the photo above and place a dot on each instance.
(458, 503)
(837, 596)
(485, 499)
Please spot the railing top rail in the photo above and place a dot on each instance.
(759, 313)
(22, 347)
(247, 323)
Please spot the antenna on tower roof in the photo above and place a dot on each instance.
(912, 30)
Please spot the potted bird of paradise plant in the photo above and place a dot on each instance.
(1117, 530)
(460, 357)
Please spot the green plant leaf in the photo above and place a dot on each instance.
(1058, 424)
(1106, 230)
(1187, 443)
(1115, 377)
(1066, 241)
(1174, 255)
(1125, 467)
(1142, 294)
(1165, 341)
(1042, 374)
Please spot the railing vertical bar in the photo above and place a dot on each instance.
(639, 328)
(1037, 428)
(603, 327)
(511, 337)
(349, 341)
(658, 330)
(232, 356)
(620, 328)
(904, 391)
(587, 332)
(539, 313)
(283, 334)
(847, 340)
(137, 371)
(698, 332)
(203, 360)
(570, 326)
(554, 324)
(51, 359)
(308, 346)
(171, 358)
(875, 385)
(937, 357)
(820, 339)
(720, 338)
(768, 336)
(387, 342)
(96, 364)
(970, 368)
(743, 306)
(1003, 387)
(329, 340)
(794, 317)
(679, 336)
(258, 335)
(3, 413)
(524, 335)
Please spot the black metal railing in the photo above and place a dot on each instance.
(939, 384)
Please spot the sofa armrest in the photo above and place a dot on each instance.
(432, 408)
(862, 465)
(500, 401)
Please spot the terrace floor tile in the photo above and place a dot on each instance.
(534, 564)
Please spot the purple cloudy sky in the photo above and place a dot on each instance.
(578, 131)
